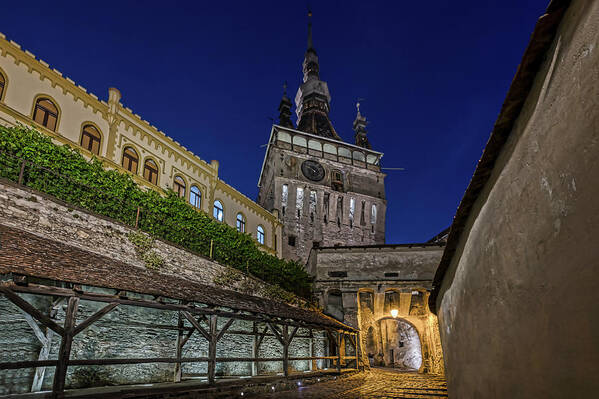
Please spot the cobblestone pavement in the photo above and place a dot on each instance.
(377, 383)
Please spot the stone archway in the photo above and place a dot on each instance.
(400, 343)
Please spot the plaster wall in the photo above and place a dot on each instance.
(519, 303)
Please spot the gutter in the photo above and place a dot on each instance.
(532, 60)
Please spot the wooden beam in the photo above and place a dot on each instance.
(313, 364)
(28, 308)
(275, 332)
(212, 349)
(224, 330)
(286, 340)
(293, 333)
(95, 317)
(93, 296)
(179, 348)
(197, 325)
(40, 372)
(65, 347)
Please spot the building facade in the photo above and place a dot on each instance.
(326, 192)
(34, 94)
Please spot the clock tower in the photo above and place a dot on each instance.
(327, 192)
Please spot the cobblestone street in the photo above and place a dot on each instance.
(377, 383)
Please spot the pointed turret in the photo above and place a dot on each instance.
(285, 110)
(313, 99)
(360, 129)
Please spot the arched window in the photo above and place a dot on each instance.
(260, 234)
(179, 186)
(151, 171)
(130, 159)
(373, 214)
(90, 139)
(240, 223)
(2, 84)
(218, 211)
(195, 197)
(45, 113)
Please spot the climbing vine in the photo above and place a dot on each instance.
(63, 172)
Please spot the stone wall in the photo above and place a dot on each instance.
(354, 284)
(127, 331)
(519, 301)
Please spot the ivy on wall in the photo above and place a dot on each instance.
(63, 172)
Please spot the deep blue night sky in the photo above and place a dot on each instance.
(209, 74)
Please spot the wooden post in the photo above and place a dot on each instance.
(285, 331)
(22, 172)
(255, 349)
(65, 347)
(179, 349)
(211, 245)
(338, 342)
(137, 217)
(313, 365)
(46, 341)
(357, 349)
(212, 349)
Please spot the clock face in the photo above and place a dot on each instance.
(313, 170)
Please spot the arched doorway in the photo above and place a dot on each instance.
(401, 344)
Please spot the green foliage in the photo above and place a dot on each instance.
(64, 173)
(144, 244)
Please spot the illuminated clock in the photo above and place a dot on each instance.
(313, 170)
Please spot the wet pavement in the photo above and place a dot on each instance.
(376, 383)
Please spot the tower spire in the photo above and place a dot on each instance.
(285, 109)
(312, 100)
(310, 46)
(360, 128)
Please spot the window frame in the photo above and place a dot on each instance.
(130, 159)
(3, 84)
(156, 170)
(260, 234)
(240, 222)
(178, 186)
(91, 137)
(46, 112)
(218, 213)
(197, 195)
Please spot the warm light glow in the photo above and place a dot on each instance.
(394, 313)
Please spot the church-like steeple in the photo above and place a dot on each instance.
(285, 110)
(360, 129)
(313, 99)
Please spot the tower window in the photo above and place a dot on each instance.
(130, 159)
(260, 236)
(2, 84)
(291, 241)
(46, 113)
(240, 223)
(373, 214)
(179, 186)
(195, 197)
(299, 203)
(336, 180)
(90, 139)
(151, 171)
(218, 211)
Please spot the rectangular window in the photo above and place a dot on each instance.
(352, 209)
(325, 206)
(312, 202)
(299, 202)
(291, 241)
(284, 195)
(362, 219)
(373, 214)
